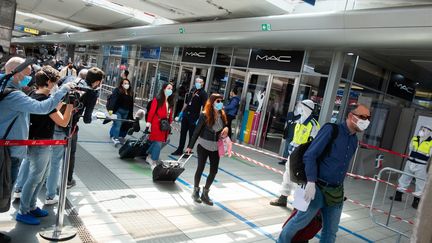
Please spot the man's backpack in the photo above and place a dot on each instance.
(110, 104)
(296, 164)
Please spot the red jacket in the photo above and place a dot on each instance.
(153, 117)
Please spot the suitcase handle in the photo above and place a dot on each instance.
(186, 160)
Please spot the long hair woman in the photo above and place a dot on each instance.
(212, 125)
(160, 109)
(121, 104)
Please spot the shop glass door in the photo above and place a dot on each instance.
(252, 110)
(276, 109)
(140, 84)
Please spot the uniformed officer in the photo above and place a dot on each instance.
(306, 128)
(420, 153)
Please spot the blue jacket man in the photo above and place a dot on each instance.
(232, 108)
(330, 176)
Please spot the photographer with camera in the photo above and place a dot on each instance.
(34, 169)
(15, 107)
(87, 99)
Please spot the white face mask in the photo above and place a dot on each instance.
(126, 86)
(362, 124)
(423, 133)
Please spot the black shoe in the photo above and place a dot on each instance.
(4, 238)
(71, 183)
(280, 201)
(195, 195)
(177, 153)
(397, 197)
(415, 202)
(205, 197)
(282, 162)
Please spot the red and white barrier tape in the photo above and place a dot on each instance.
(383, 150)
(32, 142)
(349, 174)
(258, 163)
(380, 211)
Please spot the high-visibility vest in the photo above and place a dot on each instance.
(420, 151)
(302, 132)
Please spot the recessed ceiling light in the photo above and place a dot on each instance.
(350, 54)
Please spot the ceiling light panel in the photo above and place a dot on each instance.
(38, 17)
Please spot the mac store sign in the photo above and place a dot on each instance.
(198, 55)
(290, 61)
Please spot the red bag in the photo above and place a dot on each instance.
(309, 231)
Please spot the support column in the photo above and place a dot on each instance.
(332, 86)
(7, 21)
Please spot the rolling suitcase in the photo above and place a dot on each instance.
(170, 170)
(135, 147)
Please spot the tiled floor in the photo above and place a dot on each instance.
(117, 201)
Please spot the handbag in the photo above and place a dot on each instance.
(224, 146)
(164, 124)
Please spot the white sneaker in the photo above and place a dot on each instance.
(17, 194)
(115, 141)
(51, 201)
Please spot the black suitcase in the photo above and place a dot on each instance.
(170, 170)
(135, 147)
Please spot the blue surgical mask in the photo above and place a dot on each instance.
(25, 81)
(218, 106)
(168, 92)
(198, 85)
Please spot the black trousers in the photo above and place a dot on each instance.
(187, 125)
(72, 156)
(213, 156)
(230, 119)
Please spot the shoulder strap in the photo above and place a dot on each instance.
(327, 149)
(9, 127)
(5, 92)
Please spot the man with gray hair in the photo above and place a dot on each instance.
(16, 108)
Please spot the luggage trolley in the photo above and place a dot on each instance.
(170, 170)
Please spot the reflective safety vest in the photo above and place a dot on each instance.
(420, 152)
(302, 132)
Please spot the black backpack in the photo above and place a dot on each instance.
(296, 164)
(148, 110)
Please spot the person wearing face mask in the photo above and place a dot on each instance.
(160, 109)
(212, 125)
(420, 153)
(69, 70)
(194, 101)
(232, 108)
(122, 103)
(324, 188)
(15, 108)
(305, 128)
(34, 169)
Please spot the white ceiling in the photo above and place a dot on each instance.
(92, 17)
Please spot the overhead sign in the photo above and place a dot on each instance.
(401, 87)
(198, 55)
(150, 53)
(276, 60)
(311, 2)
(266, 27)
(22, 28)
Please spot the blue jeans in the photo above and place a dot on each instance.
(38, 158)
(330, 215)
(15, 165)
(56, 160)
(154, 150)
(22, 174)
(115, 129)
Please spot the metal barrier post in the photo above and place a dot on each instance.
(59, 232)
(355, 158)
